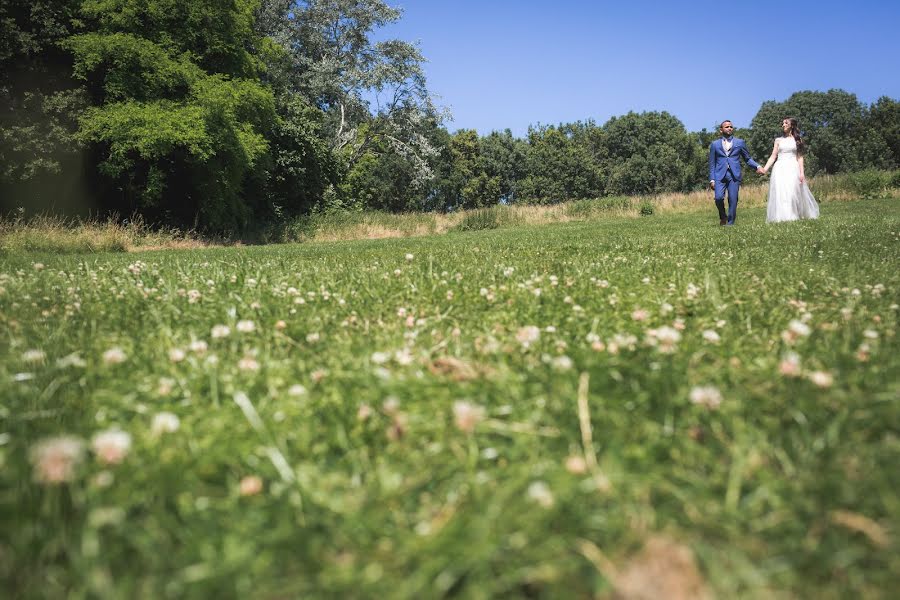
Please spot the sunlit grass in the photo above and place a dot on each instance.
(534, 411)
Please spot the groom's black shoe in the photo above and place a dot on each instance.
(722, 221)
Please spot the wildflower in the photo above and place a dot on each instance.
(164, 422)
(198, 347)
(576, 465)
(707, 396)
(251, 485)
(870, 334)
(71, 360)
(667, 338)
(379, 358)
(796, 329)
(822, 379)
(246, 326)
(220, 331)
(38, 266)
(111, 446)
(528, 335)
(54, 460)
(466, 416)
(711, 336)
(114, 356)
(403, 357)
(790, 365)
(297, 390)
(639, 314)
(363, 412)
(248, 363)
(409, 257)
(391, 406)
(562, 363)
(280, 326)
(312, 338)
(177, 355)
(665, 308)
(540, 492)
(863, 352)
(34, 356)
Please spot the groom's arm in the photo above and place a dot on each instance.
(712, 163)
(746, 154)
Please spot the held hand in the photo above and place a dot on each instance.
(802, 178)
(712, 185)
(760, 170)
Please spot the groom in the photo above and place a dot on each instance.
(725, 170)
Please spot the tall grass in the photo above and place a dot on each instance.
(47, 233)
(51, 234)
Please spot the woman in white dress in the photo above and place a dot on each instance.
(789, 196)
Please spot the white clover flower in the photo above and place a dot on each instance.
(707, 396)
(34, 356)
(576, 465)
(296, 390)
(379, 358)
(667, 337)
(409, 257)
(177, 355)
(711, 336)
(312, 338)
(466, 415)
(246, 326)
(822, 379)
(790, 365)
(220, 331)
(114, 356)
(198, 347)
(111, 446)
(540, 492)
(528, 335)
(248, 363)
(54, 460)
(164, 422)
(250, 485)
(639, 314)
(562, 363)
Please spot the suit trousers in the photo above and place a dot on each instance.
(733, 186)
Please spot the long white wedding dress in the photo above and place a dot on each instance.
(789, 199)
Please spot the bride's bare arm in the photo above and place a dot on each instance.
(800, 161)
(773, 158)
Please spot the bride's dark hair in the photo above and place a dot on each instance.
(795, 132)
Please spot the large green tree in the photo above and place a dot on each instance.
(648, 153)
(42, 164)
(836, 127)
(558, 167)
(180, 120)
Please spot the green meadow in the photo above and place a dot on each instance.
(576, 410)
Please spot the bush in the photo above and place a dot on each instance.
(646, 208)
(895, 180)
(491, 217)
(585, 209)
(869, 183)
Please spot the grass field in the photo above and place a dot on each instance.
(587, 409)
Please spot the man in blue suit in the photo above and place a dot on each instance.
(725, 170)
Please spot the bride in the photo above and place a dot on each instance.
(789, 196)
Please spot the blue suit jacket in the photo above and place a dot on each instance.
(720, 163)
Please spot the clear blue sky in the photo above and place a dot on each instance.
(510, 63)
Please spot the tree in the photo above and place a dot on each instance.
(838, 133)
(374, 94)
(648, 153)
(884, 117)
(557, 168)
(179, 120)
(41, 160)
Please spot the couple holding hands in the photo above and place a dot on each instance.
(789, 196)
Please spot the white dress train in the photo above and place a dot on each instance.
(789, 199)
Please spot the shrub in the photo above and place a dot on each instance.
(868, 183)
(646, 208)
(490, 217)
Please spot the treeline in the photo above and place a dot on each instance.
(224, 114)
